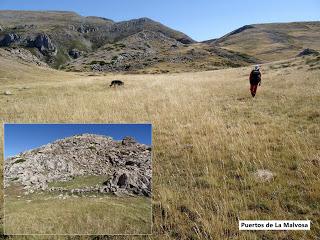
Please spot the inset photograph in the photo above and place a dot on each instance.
(77, 179)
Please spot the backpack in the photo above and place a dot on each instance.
(255, 76)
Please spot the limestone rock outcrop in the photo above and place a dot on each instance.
(126, 162)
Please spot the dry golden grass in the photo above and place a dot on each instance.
(271, 42)
(209, 138)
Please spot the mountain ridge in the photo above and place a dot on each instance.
(272, 41)
(71, 42)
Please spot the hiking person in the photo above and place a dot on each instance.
(255, 79)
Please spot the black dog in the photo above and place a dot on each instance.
(116, 83)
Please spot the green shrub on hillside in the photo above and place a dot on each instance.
(20, 160)
(100, 62)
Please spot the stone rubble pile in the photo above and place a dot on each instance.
(126, 162)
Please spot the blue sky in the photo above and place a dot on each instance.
(200, 19)
(22, 137)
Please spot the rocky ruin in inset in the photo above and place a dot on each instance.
(126, 165)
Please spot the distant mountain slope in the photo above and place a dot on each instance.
(68, 41)
(154, 52)
(111, 31)
(57, 37)
(12, 18)
(272, 41)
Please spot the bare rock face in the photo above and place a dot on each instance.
(45, 45)
(130, 180)
(21, 54)
(127, 162)
(127, 141)
(75, 53)
(9, 39)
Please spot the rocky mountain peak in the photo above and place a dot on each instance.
(84, 155)
(74, 36)
(128, 140)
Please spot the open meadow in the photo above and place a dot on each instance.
(211, 139)
(43, 212)
(84, 215)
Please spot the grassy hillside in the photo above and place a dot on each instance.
(273, 41)
(80, 181)
(210, 139)
(185, 58)
(12, 18)
(44, 213)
